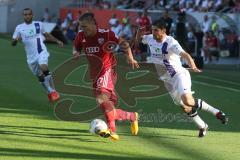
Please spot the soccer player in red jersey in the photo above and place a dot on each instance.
(95, 43)
(145, 21)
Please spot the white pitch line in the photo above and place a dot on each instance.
(220, 80)
(216, 86)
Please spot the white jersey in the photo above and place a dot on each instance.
(166, 55)
(32, 37)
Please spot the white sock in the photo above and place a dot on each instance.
(197, 120)
(206, 107)
(46, 87)
(46, 84)
(50, 79)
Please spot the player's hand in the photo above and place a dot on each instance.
(76, 55)
(14, 42)
(60, 43)
(133, 63)
(195, 69)
(142, 30)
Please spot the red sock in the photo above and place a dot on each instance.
(124, 115)
(108, 110)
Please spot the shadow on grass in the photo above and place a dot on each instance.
(57, 154)
(154, 135)
(35, 132)
(80, 131)
(24, 104)
(179, 149)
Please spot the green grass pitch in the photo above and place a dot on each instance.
(30, 130)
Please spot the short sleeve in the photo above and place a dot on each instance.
(175, 47)
(43, 30)
(16, 33)
(78, 42)
(145, 39)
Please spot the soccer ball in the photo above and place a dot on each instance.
(97, 125)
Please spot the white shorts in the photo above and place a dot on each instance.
(35, 66)
(178, 85)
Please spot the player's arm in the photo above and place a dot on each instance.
(48, 36)
(51, 38)
(177, 49)
(76, 52)
(77, 46)
(124, 45)
(190, 61)
(128, 52)
(138, 36)
(14, 42)
(16, 37)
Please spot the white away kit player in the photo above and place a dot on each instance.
(165, 54)
(32, 34)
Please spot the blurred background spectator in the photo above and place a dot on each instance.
(113, 20)
(117, 28)
(126, 31)
(145, 21)
(46, 16)
(202, 37)
(168, 21)
(181, 30)
(211, 47)
(206, 25)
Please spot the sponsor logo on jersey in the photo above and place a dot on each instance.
(109, 46)
(84, 40)
(100, 41)
(92, 49)
(31, 32)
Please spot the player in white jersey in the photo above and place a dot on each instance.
(32, 34)
(165, 54)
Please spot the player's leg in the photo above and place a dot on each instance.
(46, 77)
(46, 81)
(202, 105)
(107, 99)
(108, 109)
(112, 114)
(184, 88)
(193, 115)
(122, 115)
(181, 87)
(36, 70)
(45, 70)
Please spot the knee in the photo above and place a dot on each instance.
(187, 109)
(101, 99)
(41, 78)
(189, 101)
(44, 68)
(105, 104)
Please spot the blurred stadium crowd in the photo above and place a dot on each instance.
(206, 39)
(187, 5)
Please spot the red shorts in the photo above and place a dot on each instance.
(105, 84)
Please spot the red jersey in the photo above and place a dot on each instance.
(211, 41)
(99, 59)
(144, 21)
